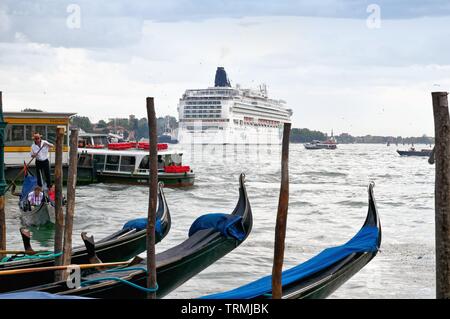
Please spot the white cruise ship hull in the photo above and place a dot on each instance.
(232, 135)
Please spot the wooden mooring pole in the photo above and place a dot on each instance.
(70, 206)
(153, 194)
(442, 193)
(59, 214)
(280, 228)
(2, 181)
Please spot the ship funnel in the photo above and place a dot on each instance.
(221, 78)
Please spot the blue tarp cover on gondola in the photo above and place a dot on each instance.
(28, 185)
(141, 223)
(228, 225)
(366, 240)
(36, 295)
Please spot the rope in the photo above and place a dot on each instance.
(42, 255)
(127, 269)
(129, 283)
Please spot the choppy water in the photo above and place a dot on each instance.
(327, 206)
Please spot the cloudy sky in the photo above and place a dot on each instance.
(362, 67)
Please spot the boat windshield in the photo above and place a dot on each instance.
(100, 140)
(167, 160)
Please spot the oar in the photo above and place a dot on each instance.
(23, 169)
(135, 261)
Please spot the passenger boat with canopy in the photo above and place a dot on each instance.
(211, 237)
(128, 163)
(324, 273)
(122, 245)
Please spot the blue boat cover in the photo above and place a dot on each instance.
(141, 223)
(28, 185)
(228, 225)
(36, 295)
(366, 240)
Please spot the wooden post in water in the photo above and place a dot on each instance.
(59, 214)
(280, 228)
(2, 181)
(442, 193)
(153, 194)
(70, 206)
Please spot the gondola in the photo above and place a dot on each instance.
(324, 273)
(122, 245)
(205, 245)
(34, 215)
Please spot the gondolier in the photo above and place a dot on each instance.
(39, 150)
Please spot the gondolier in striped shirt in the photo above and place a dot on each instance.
(39, 150)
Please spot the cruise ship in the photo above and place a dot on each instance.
(231, 115)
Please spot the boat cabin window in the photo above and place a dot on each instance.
(51, 134)
(145, 164)
(112, 162)
(175, 159)
(100, 140)
(17, 133)
(99, 161)
(28, 133)
(22, 134)
(85, 160)
(127, 163)
(41, 129)
(86, 141)
(169, 160)
(83, 141)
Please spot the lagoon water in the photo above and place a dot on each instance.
(327, 206)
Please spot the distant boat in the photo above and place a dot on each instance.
(412, 152)
(329, 144)
(167, 137)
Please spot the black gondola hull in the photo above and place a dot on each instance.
(324, 288)
(119, 251)
(173, 267)
(169, 277)
(115, 248)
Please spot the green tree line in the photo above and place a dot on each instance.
(304, 135)
(139, 127)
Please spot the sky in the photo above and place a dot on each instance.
(355, 66)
